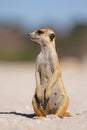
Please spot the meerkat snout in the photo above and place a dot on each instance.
(28, 34)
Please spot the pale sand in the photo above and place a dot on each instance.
(17, 85)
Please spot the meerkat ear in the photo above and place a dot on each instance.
(52, 36)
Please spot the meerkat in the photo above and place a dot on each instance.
(50, 95)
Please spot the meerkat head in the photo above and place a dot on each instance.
(43, 36)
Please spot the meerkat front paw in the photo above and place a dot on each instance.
(39, 100)
(47, 95)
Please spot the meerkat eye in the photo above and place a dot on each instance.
(39, 32)
(52, 36)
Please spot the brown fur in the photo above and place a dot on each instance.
(50, 95)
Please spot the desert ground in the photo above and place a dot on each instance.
(17, 86)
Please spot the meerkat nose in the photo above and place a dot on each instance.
(28, 34)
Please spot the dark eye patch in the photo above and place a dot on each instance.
(52, 36)
(39, 32)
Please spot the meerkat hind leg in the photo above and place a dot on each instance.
(61, 112)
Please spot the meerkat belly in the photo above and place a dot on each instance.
(55, 97)
(45, 74)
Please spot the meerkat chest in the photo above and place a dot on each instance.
(45, 59)
(45, 63)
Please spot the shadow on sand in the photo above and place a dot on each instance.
(19, 114)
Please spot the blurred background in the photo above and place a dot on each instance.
(67, 18)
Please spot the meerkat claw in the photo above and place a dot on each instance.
(47, 99)
(46, 96)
